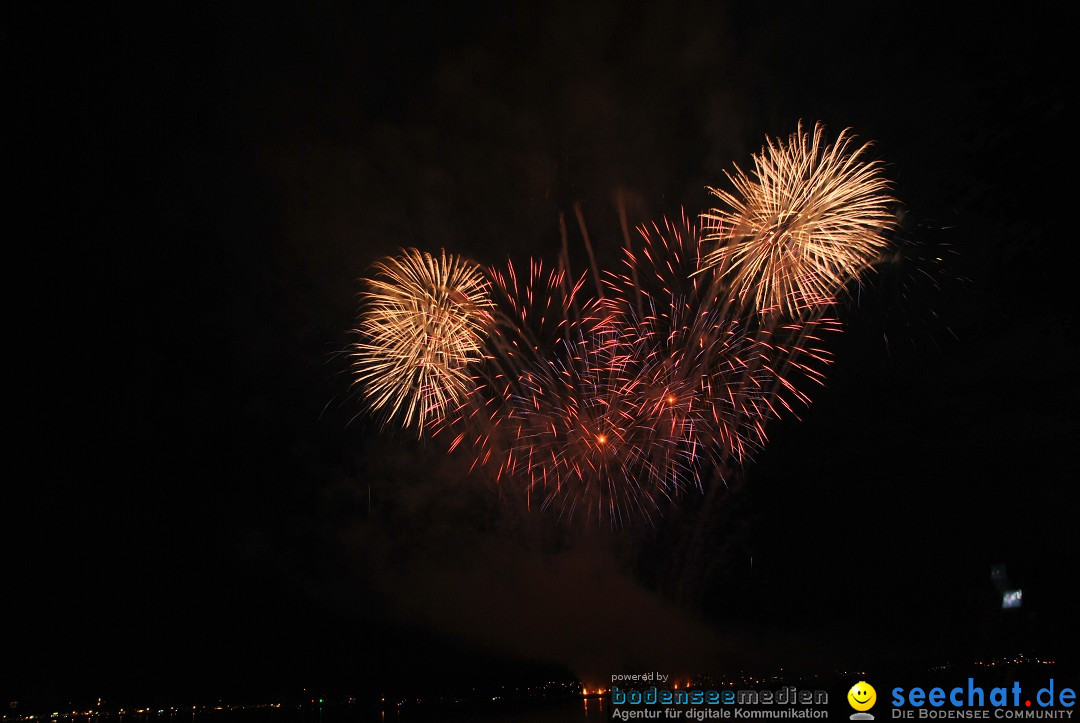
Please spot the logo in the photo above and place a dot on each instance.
(862, 697)
(973, 701)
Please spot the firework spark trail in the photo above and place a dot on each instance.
(424, 322)
(809, 219)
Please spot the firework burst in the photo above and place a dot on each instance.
(606, 408)
(810, 218)
(423, 323)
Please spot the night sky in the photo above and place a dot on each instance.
(195, 504)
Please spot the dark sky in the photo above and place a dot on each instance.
(193, 505)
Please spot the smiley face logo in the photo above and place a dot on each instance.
(862, 696)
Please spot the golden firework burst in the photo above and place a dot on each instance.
(424, 320)
(809, 218)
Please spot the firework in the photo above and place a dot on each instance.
(666, 380)
(606, 408)
(423, 323)
(809, 219)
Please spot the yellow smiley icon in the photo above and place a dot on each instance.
(862, 696)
